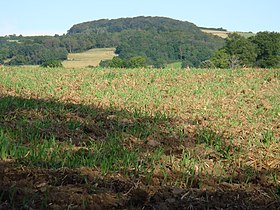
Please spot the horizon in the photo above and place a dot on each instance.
(52, 17)
(53, 33)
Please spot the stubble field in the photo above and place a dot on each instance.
(97, 138)
(89, 58)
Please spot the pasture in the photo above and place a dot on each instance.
(94, 138)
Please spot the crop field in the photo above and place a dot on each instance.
(223, 34)
(94, 138)
(89, 58)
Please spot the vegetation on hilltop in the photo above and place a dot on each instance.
(139, 23)
(159, 40)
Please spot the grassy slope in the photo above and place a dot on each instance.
(211, 131)
(89, 58)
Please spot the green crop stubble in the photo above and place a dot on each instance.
(218, 100)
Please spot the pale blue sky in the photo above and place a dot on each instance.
(37, 17)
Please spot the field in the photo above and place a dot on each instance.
(224, 34)
(89, 58)
(95, 138)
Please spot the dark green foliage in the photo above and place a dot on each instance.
(136, 62)
(268, 49)
(52, 64)
(138, 23)
(221, 59)
(212, 29)
(242, 52)
(237, 52)
(116, 62)
(160, 40)
(1, 61)
(262, 50)
(19, 50)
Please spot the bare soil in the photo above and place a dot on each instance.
(33, 188)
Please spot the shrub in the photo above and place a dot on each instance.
(52, 64)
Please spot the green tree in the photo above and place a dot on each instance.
(242, 52)
(136, 62)
(52, 64)
(221, 59)
(268, 49)
(117, 62)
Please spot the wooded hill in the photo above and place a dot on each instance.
(158, 40)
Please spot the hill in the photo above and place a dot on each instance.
(139, 23)
(159, 40)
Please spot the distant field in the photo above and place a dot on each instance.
(97, 138)
(224, 34)
(89, 58)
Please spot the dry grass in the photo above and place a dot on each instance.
(223, 34)
(89, 58)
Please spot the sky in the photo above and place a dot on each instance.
(50, 17)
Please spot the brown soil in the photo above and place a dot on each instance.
(26, 188)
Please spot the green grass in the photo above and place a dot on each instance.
(184, 127)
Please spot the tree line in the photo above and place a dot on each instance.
(261, 50)
(146, 41)
(157, 40)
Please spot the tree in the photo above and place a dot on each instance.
(136, 62)
(268, 49)
(242, 52)
(52, 64)
(221, 59)
(18, 60)
(116, 62)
